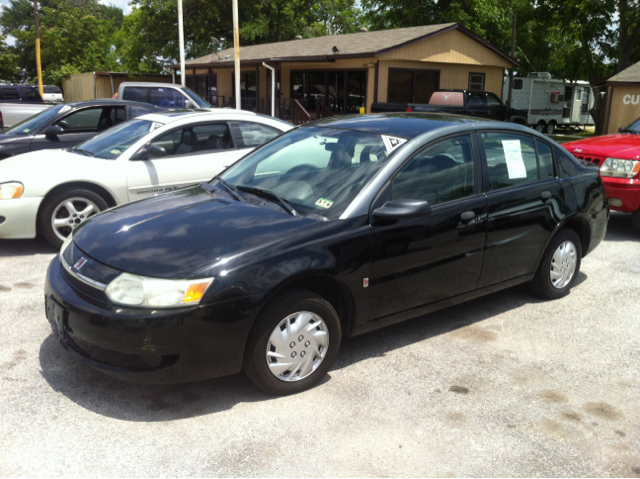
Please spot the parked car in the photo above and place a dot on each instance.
(481, 104)
(156, 153)
(52, 93)
(19, 102)
(166, 95)
(64, 126)
(618, 157)
(334, 229)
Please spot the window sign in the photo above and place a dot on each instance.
(513, 155)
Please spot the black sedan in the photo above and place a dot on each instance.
(336, 228)
(64, 126)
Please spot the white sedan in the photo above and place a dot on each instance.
(53, 191)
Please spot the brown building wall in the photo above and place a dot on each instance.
(80, 87)
(624, 106)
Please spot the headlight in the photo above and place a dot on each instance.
(132, 290)
(11, 191)
(620, 168)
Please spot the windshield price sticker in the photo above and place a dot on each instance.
(65, 108)
(324, 203)
(513, 155)
(155, 125)
(392, 142)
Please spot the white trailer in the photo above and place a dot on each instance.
(550, 103)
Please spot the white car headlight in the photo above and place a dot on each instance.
(11, 190)
(132, 290)
(615, 167)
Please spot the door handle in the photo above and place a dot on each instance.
(467, 216)
(546, 195)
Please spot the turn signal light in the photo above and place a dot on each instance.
(195, 292)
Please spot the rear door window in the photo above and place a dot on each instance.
(166, 97)
(249, 134)
(136, 93)
(511, 159)
(545, 158)
(191, 140)
(10, 94)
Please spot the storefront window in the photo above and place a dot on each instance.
(412, 86)
(341, 91)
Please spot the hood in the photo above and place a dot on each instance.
(619, 145)
(191, 233)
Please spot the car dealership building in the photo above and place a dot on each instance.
(343, 74)
(623, 99)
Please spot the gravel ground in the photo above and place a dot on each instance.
(505, 385)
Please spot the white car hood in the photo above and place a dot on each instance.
(40, 171)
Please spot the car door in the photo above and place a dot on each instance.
(79, 126)
(526, 203)
(477, 104)
(495, 108)
(425, 260)
(194, 153)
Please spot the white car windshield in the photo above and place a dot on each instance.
(110, 144)
(315, 170)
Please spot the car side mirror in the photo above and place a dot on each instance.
(149, 153)
(52, 132)
(190, 104)
(402, 208)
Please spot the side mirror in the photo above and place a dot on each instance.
(52, 132)
(402, 209)
(149, 153)
(190, 104)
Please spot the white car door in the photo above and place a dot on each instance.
(194, 154)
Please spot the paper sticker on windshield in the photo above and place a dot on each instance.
(392, 142)
(324, 203)
(513, 155)
(115, 152)
(155, 125)
(64, 108)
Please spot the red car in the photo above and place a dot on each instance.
(618, 157)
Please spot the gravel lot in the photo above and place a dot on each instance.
(505, 385)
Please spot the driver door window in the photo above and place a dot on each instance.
(83, 120)
(439, 173)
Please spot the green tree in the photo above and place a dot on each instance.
(9, 62)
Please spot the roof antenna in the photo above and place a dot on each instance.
(217, 43)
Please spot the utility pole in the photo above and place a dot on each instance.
(183, 74)
(38, 64)
(236, 43)
(513, 53)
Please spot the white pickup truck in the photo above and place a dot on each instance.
(19, 102)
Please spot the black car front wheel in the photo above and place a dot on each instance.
(560, 265)
(294, 343)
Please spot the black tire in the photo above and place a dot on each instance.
(255, 364)
(541, 126)
(541, 283)
(551, 128)
(46, 213)
(635, 220)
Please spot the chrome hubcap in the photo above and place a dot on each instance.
(70, 213)
(297, 346)
(563, 264)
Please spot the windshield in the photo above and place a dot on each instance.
(634, 127)
(114, 141)
(34, 123)
(194, 96)
(316, 170)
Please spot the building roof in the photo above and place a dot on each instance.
(352, 45)
(631, 74)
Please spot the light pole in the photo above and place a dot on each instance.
(236, 43)
(38, 64)
(183, 76)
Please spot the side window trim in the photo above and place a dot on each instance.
(554, 163)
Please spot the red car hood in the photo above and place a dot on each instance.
(625, 146)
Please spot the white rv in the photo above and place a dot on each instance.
(550, 103)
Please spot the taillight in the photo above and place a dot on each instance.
(408, 108)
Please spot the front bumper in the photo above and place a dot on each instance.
(149, 346)
(625, 190)
(19, 218)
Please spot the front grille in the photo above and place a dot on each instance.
(596, 160)
(83, 288)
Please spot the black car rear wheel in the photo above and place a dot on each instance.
(294, 343)
(560, 265)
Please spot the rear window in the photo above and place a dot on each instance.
(166, 97)
(9, 94)
(451, 98)
(31, 94)
(51, 89)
